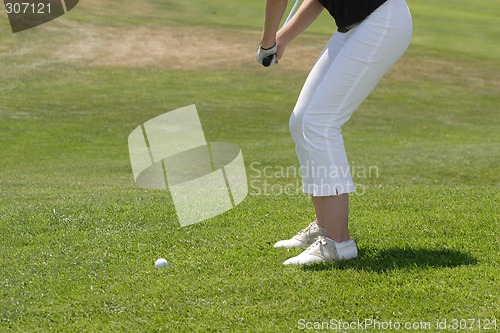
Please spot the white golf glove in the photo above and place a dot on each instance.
(266, 57)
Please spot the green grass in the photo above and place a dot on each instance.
(78, 239)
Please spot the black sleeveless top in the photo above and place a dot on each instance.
(349, 12)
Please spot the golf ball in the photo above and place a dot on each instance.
(161, 263)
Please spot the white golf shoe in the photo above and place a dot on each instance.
(304, 238)
(325, 249)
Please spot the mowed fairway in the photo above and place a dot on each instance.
(78, 239)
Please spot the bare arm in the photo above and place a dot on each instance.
(305, 16)
(274, 13)
(307, 13)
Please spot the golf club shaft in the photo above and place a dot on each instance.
(292, 11)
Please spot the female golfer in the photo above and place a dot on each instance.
(371, 36)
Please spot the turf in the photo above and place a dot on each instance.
(79, 240)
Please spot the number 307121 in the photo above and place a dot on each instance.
(27, 8)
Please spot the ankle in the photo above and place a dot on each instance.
(320, 225)
(344, 237)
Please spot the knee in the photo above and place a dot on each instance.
(320, 127)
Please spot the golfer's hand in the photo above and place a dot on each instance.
(266, 57)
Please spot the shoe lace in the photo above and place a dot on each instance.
(319, 241)
(307, 230)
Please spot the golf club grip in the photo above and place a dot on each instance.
(268, 60)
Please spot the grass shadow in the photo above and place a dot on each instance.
(377, 260)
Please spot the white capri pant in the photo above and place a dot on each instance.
(346, 72)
